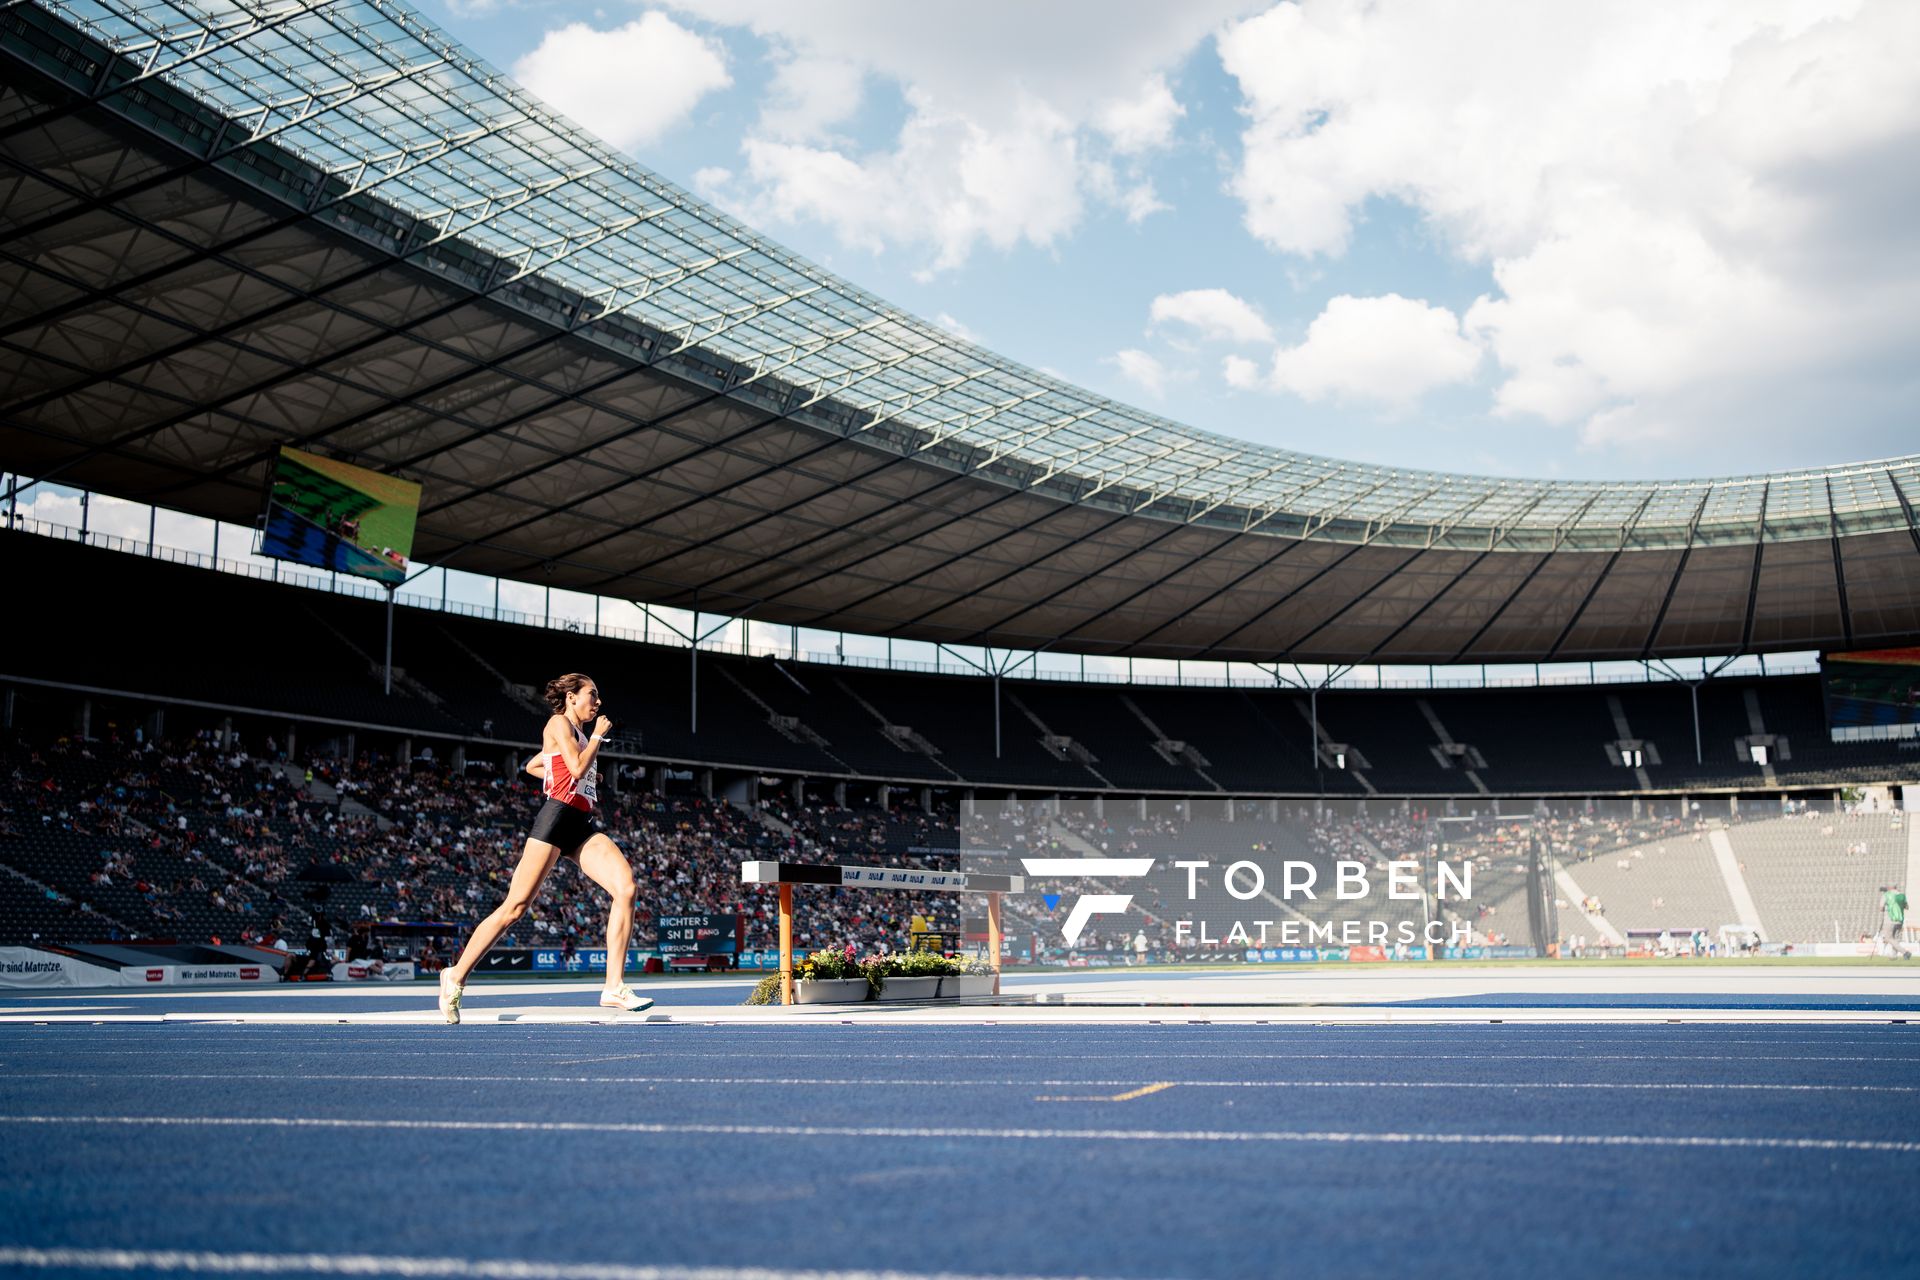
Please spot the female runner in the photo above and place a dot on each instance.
(564, 828)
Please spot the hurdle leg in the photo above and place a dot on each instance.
(993, 937)
(786, 944)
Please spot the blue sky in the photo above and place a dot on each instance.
(1498, 236)
(1547, 239)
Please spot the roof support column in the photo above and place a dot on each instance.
(1695, 690)
(1327, 676)
(1313, 718)
(1839, 567)
(388, 681)
(995, 668)
(694, 639)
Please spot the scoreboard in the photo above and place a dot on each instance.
(1871, 689)
(699, 935)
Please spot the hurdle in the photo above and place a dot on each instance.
(786, 875)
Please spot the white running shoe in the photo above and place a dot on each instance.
(623, 998)
(450, 993)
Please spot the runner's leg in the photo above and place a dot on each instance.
(535, 862)
(607, 867)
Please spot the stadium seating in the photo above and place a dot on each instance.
(198, 839)
(308, 655)
(1670, 882)
(1815, 877)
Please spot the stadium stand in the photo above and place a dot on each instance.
(117, 839)
(194, 840)
(1645, 885)
(1249, 741)
(1815, 876)
(310, 656)
(408, 804)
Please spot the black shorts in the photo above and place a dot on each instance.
(564, 826)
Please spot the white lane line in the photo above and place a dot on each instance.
(1702, 1141)
(1891, 1052)
(1178, 1013)
(539, 988)
(361, 1077)
(1184, 1022)
(1174, 1016)
(238, 1038)
(366, 1264)
(1878, 1060)
(1181, 1015)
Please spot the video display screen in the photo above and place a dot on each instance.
(334, 515)
(698, 935)
(1872, 687)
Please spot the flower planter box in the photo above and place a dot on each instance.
(831, 991)
(856, 990)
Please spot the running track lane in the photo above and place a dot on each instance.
(1305, 1151)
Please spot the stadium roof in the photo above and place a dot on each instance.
(230, 226)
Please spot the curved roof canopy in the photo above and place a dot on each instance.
(230, 226)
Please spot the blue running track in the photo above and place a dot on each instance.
(1552, 1151)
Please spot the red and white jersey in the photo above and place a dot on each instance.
(561, 785)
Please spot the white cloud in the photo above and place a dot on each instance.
(1690, 211)
(1627, 425)
(1013, 113)
(1388, 350)
(629, 85)
(1217, 315)
(949, 181)
(51, 506)
(103, 514)
(808, 96)
(1142, 123)
(1240, 373)
(1141, 201)
(1141, 369)
(975, 56)
(475, 8)
(956, 328)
